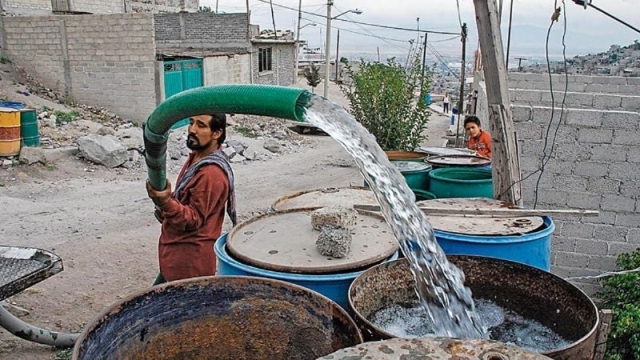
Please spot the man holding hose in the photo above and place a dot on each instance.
(192, 216)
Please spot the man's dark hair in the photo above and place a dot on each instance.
(219, 122)
(472, 119)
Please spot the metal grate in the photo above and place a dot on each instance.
(21, 268)
(12, 270)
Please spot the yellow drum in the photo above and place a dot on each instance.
(9, 131)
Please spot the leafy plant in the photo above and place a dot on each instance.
(205, 9)
(245, 131)
(63, 354)
(312, 74)
(383, 99)
(63, 117)
(621, 293)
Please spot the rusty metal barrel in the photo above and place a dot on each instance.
(219, 318)
(434, 349)
(533, 293)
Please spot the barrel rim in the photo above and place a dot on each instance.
(112, 309)
(576, 289)
(435, 174)
(548, 230)
(284, 198)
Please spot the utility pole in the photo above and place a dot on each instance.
(295, 71)
(462, 77)
(424, 63)
(337, 52)
(327, 60)
(519, 63)
(505, 158)
(216, 6)
(378, 49)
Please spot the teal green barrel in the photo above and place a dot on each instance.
(415, 173)
(423, 195)
(458, 182)
(29, 128)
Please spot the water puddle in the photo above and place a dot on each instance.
(440, 285)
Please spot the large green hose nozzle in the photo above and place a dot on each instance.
(275, 101)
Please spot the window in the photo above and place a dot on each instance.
(264, 59)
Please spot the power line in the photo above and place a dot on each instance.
(362, 23)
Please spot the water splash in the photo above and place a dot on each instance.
(439, 284)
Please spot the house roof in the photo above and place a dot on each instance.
(272, 41)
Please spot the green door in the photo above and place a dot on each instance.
(179, 76)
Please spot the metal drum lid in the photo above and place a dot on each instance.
(285, 241)
(459, 160)
(407, 166)
(347, 197)
(442, 151)
(479, 224)
(435, 349)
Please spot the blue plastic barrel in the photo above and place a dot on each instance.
(12, 104)
(533, 249)
(333, 286)
(427, 99)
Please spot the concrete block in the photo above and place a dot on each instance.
(591, 169)
(570, 183)
(529, 163)
(624, 171)
(529, 130)
(611, 233)
(583, 79)
(629, 220)
(630, 103)
(528, 96)
(633, 237)
(606, 101)
(626, 137)
(592, 118)
(591, 247)
(614, 80)
(563, 243)
(609, 153)
(556, 166)
(626, 120)
(571, 259)
(575, 99)
(617, 203)
(552, 197)
(583, 200)
(334, 242)
(633, 154)
(628, 89)
(630, 189)
(336, 216)
(577, 87)
(521, 113)
(605, 263)
(564, 134)
(601, 185)
(572, 152)
(543, 115)
(633, 81)
(578, 230)
(595, 136)
(617, 248)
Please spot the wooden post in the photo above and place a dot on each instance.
(604, 329)
(505, 157)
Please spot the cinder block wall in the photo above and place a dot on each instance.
(225, 33)
(282, 66)
(227, 69)
(98, 6)
(594, 165)
(577, 83)
(160, 6)
(100, 60)
(27, 7)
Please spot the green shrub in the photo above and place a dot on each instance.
(621, 293)
(383, 99)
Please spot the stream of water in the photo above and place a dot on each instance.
(439, 284)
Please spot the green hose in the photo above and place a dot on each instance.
(275, 101)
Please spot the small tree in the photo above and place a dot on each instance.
(312, 74)
(205, 9)
(383, 99)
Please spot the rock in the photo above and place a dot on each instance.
(250, 154)
(53, 118)
(53, 155)
(106, 130)
(6, 163)
(237, 159)
(272, 145)
(230, 151)
(256, 127)
(104, 150)
(131, 137)
(32, 155)
(237, 145)
(336, 216)
(334, 241)
(43, 115)
(48, 122)
(280, 135)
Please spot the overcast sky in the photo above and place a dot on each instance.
(588, 31)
